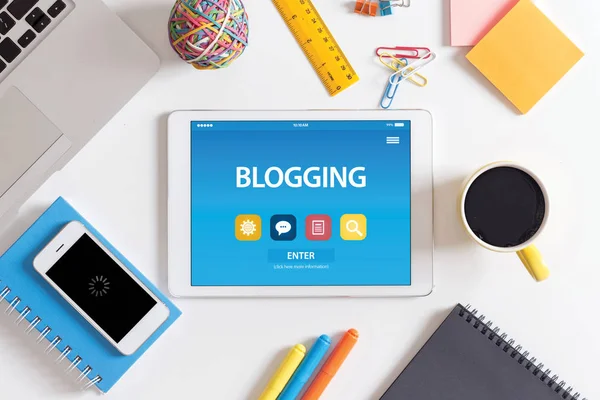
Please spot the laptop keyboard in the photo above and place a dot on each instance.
(18, 8)
(23, 25)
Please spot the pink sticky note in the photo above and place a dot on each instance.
(471, 20)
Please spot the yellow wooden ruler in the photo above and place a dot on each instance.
(318, 44)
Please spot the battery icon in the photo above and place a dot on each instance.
(399, 125)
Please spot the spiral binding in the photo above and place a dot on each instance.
(84, 379)
(492, 333)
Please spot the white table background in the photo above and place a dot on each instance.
(228, 349)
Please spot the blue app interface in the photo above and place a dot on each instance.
(300, 203)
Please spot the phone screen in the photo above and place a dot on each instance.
(101, 288)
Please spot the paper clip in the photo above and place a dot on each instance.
(390, 90)
(412, 69)
(399, 63)
(385, 7)
(404, 52)
(388, 98)
(366, 7)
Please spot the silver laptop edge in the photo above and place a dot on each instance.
(76, 67)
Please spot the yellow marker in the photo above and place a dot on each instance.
(284, 373)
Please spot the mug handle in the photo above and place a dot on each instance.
(532, 260)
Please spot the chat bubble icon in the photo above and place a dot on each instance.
(283, 227)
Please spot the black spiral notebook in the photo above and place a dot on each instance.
(468, 359)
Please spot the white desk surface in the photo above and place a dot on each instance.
(228, 349)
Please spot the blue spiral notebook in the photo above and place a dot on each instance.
(87, 354)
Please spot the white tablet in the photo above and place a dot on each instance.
(300, 203)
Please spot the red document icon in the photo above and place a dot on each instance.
(318, 227)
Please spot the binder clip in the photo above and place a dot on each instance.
(369, 7)
(366, 7)
(385, 6)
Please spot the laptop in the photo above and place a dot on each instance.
(66, 68)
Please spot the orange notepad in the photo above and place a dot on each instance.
(524, 55)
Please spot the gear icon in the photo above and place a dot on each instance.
(248, 227)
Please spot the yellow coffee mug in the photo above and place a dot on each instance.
(495, 188)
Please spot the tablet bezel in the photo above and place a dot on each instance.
(179, 205)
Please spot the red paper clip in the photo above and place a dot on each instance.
(405, 52)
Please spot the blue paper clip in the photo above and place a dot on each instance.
(391, 89)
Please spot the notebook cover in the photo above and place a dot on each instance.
(524, 55)
(16, 272)
(466, 359)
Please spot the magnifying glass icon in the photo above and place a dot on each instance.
(352, 227)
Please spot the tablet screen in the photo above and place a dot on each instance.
(300, 203)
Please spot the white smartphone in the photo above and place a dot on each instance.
(101, 288)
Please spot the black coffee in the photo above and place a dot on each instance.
(505, 207)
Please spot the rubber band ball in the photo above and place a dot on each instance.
(209, 34)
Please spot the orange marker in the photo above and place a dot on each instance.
(331, 366)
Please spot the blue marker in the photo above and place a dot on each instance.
(306, 368)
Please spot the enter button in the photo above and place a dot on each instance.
(295, 255)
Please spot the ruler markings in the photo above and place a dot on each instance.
(318, 44)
